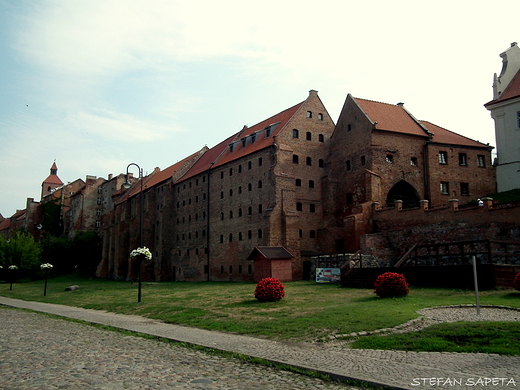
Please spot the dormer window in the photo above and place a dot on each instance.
(309, 114)
(244, 142)
(253, 138)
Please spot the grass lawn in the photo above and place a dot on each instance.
(309, 312)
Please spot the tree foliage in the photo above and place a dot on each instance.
(20, 250)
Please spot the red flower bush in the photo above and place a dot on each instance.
(390, 285)
(516, 283)
(269, 290)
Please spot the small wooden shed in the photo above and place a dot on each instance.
(272, 262)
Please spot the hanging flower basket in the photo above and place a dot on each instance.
(141, 254)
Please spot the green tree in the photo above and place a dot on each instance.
(21, 250)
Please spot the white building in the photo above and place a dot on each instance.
(505, 111)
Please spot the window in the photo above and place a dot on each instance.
(249, 234)
(320, 116)
(445, 188)
(308, 136)
(348, 165)
(518, 119)
(249, 210)
(349, 127)
(309, 114)
(259, 233)
(298, 182)
(240, 189)
(230, 237)
(311, 183)
(244, 142)
(481, 161)
(221, 238)
(321, 138)
(295, 159)
(321, 163)
(363, 160)
(413, 161)
(463, 159)
(312, 208)
(221, 216)
(240, 212)
(259, 183)
(253, 138)
(260, 209)
(312, 234)
(231, 192)
(464, 189)
(240, 169)
(443, 157)
(231, 214)
(221, 195)
(295, 133)
(308, 161)
(249, 187)
(230, 269)
(222, 174)
(260, 161)
(299, 206)
(349, 198)
(389, 158)
(230, 171)
(249, 165)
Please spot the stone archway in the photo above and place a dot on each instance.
(404, 191)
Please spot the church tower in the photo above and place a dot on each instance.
(52, 181)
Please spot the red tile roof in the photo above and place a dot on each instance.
(390, 117)
(512, 91)
(4, 225)
(53, 179)
(261, 141)
(443, 136)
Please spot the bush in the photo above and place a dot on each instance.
(516, 283)
(269, 290)
(391, 284)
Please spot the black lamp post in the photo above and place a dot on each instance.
(127, 185)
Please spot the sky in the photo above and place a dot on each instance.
(96, 85)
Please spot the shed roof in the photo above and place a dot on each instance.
(270, 252)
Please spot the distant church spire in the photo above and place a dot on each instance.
(52, 181)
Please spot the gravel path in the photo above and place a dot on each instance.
(38, 352)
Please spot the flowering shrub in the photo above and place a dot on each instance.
(13, 267)
(46, 266)
(516, 283)
(141, 252)
(390, 284)
(269, 290)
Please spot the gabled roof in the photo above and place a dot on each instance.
(270, 252)
(390, 117)
(5, 224)
(276, 123)
(443, 136)
(512, 91)
(52, 179)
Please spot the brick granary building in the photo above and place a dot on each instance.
(292, 181)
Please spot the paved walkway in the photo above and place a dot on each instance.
(397, 369)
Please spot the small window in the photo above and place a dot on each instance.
(349, 198)
(221, 238)
(481, 161)
(240, 169)
(518, 119)
(348, 165)
(222, 174)
(230, 171)
(240, 212)
(443, 157)
(249, 234)
(321, 163)
(295, 133)
(230, 237)
(231, 192)
(413, 161)
(464, 189)
(308, 161)
(312, 208)
(463, 159)
(320, 116)
(389, 158)
(309, 114)
(349, 127)
(312, 234)
(249, 187)
(244, 142)
(260, 209)
(295, 159)
(445, 188)
(321, 138)
(259, 183)
(308, 136)
(249, 165)
(260, 233)
(363, 160)
(260, 161)
(221, 195)
(311, 183)
(299, 206)
(231, 214)
(250, 210)
(298, 182)
(253, 138)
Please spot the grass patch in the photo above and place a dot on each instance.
(475, 337)
(309, 311)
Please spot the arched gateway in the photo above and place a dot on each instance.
(403, 191)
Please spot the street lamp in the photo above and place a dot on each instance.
(127, 185)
